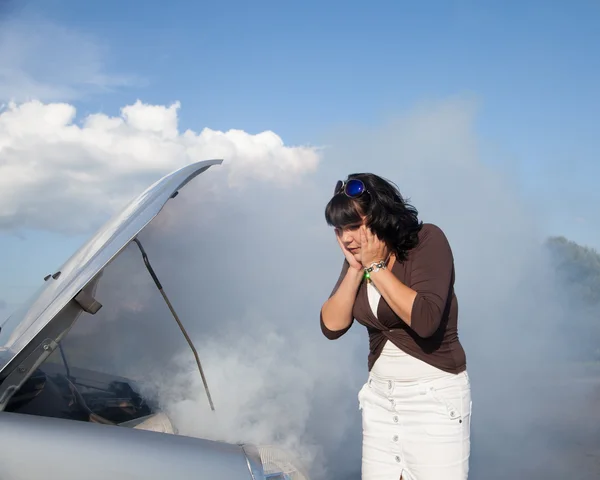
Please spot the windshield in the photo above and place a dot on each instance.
(133, 333)
(109, 362)
(129, 340)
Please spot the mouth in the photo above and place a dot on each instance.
(353, 250)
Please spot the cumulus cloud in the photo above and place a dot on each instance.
(45, 61)
(62, 175)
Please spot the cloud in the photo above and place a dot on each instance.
(248, 270)
(45, 61)
(62, 175)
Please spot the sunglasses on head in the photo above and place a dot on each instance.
(353, 188)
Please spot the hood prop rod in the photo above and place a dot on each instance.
(176, 317)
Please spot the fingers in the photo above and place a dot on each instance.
(365, 246)
(368, 236)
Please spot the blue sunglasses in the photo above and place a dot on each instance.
(353, 188)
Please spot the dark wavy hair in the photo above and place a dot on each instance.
(387, 214)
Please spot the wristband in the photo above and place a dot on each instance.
(374, 267)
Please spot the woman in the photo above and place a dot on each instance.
(398, 281)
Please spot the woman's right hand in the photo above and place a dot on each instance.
(354, 263)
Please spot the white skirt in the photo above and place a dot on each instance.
(416, 420)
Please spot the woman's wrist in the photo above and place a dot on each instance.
(356, 273)
(383, 258)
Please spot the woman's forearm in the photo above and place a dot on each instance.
(398, 296)
(336, 312)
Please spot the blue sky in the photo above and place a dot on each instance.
(303, 69)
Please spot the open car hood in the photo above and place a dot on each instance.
(60, 288)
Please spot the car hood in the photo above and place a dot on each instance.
(61, 287)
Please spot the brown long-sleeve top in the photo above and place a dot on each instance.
(433, 333)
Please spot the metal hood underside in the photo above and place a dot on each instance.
(60, 288)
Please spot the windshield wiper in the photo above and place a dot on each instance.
(176, 317)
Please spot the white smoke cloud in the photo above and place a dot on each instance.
(62, 175)
(263, 262)
(247, 266)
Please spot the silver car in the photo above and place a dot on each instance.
(59, 420)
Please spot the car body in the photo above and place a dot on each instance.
(61, 421)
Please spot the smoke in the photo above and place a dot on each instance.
(248, 270)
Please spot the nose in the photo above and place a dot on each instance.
(346, 237)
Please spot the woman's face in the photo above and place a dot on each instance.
(350, 237)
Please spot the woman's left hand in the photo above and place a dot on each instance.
(372, 249)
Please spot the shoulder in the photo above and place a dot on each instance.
(432, 239)
(431, 230)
